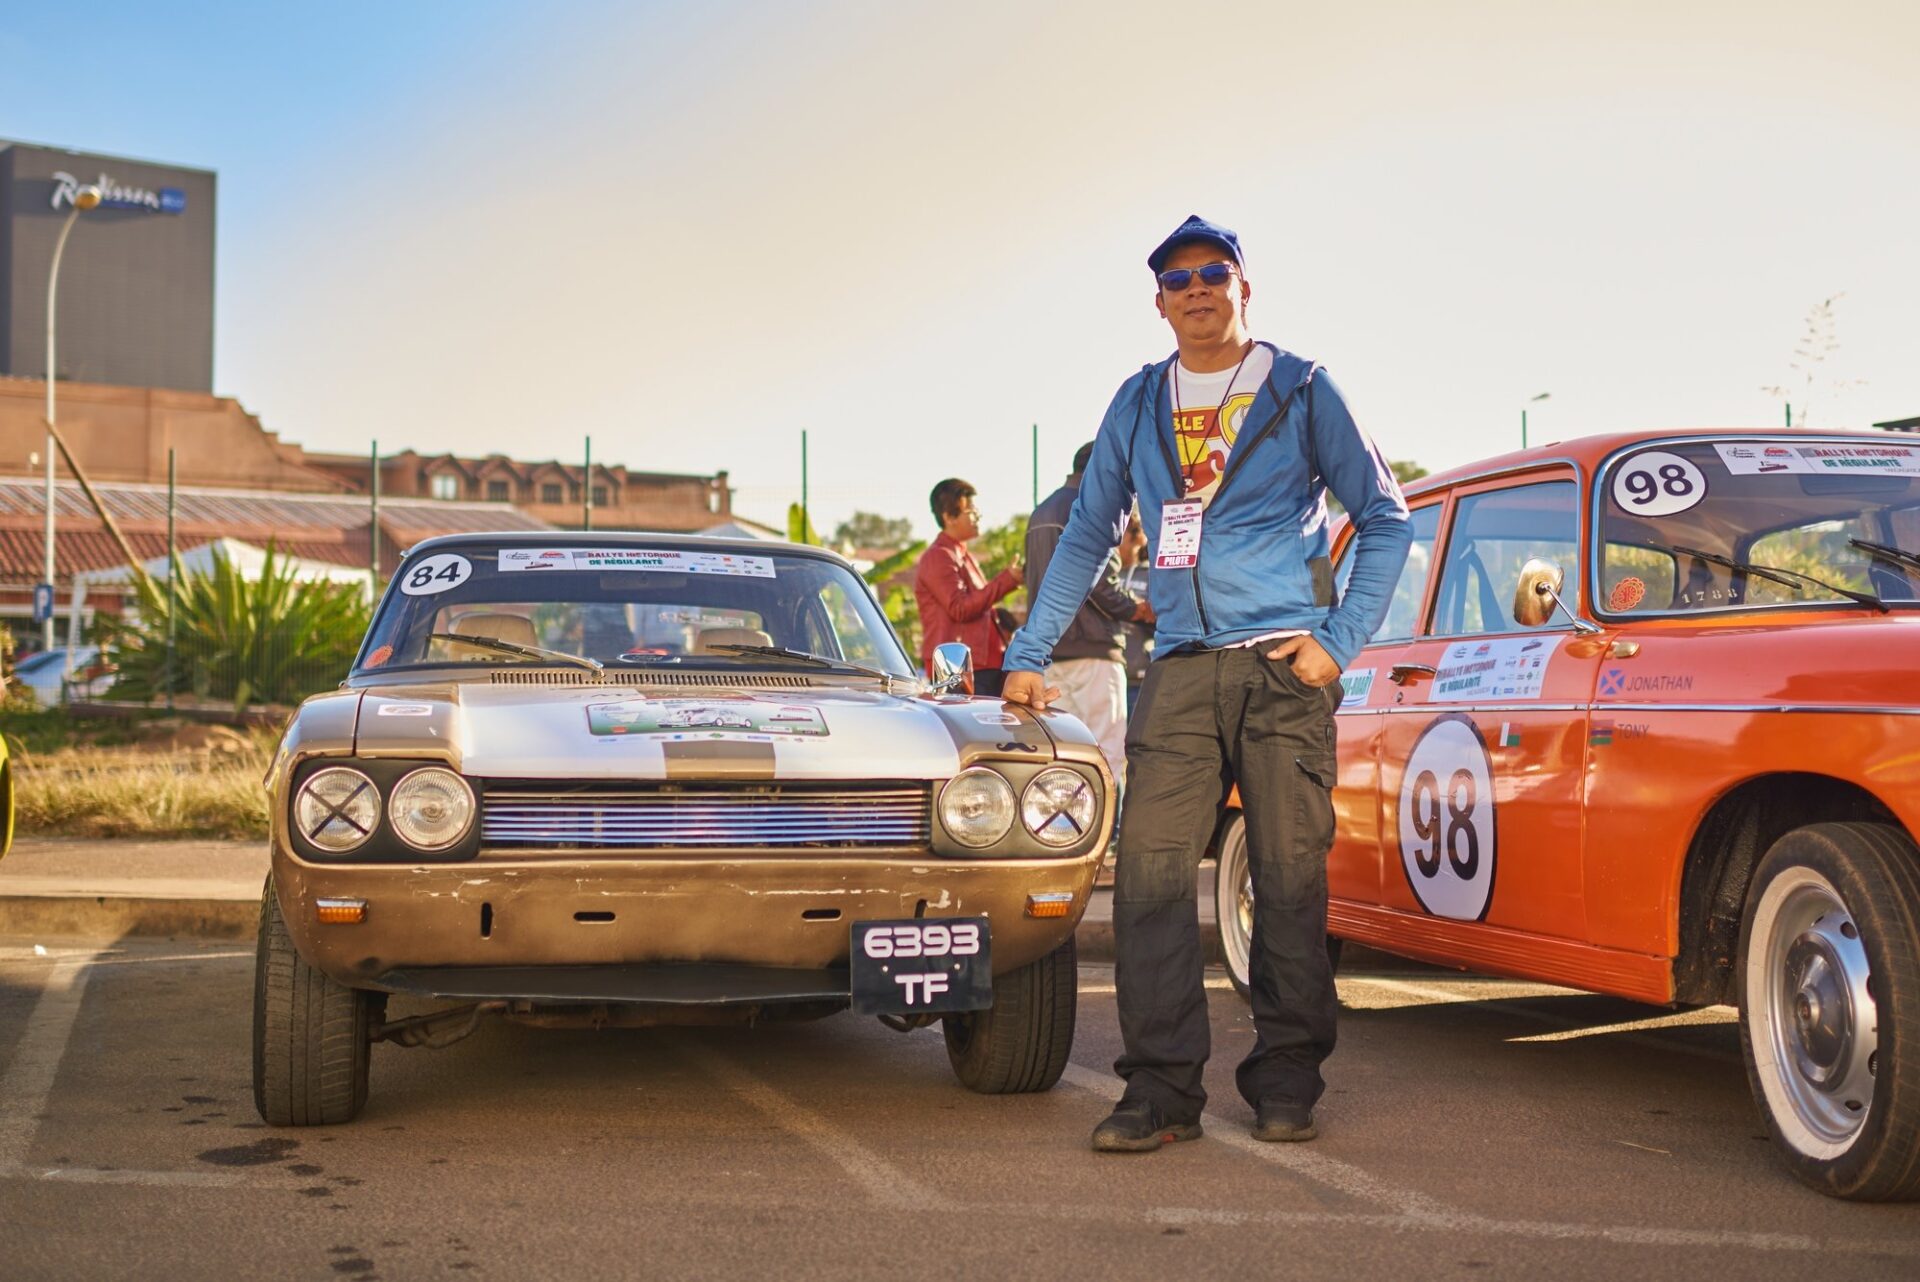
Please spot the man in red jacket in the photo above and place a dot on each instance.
(956, 598)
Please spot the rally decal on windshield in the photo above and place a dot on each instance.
(652, 560)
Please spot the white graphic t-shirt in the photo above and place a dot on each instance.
(1208, 412)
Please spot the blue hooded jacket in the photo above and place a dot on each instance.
(1263, 563)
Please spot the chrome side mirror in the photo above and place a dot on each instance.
(1538, 595)
(952, 667)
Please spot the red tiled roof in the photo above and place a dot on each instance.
(316, 527)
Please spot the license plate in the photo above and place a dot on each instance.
(921, 965)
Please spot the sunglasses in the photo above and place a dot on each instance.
(1213, 275)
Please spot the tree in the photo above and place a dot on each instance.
(871, 530)
(1820, 340)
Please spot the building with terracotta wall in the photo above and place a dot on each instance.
(551, 491)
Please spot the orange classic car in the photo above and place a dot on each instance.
(1644, 719)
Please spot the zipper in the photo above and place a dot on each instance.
(1200, 552)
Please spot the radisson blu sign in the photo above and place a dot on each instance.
(168, 200)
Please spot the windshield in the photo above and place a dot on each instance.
(1792, 514)
(627, 606)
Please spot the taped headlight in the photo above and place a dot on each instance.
(976, 807)
(337, 809)
(1059, 806)
(431, 808)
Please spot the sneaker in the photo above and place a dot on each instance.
(1280, 1121)
(1140, 1128)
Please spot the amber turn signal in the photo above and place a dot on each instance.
(1049, 905)
(340, 912)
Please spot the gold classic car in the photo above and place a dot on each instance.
(592, 780)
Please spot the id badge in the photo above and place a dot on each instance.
(1179, 536)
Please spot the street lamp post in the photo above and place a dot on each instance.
(84, 199)
(1523, 416)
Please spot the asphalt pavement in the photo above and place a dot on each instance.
(1473, 1128)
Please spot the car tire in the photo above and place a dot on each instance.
(1233, 907)
(1829, 989)
(312, 1037)
(1020, 1043)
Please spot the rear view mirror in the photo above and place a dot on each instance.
(953, 667)
(1538, 596)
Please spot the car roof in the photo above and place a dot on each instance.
(626, 539)
(1588, 452)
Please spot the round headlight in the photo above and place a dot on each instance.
(337, 809)
(431, 808)
(1059, 806)
(976, 807)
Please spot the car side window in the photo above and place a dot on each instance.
(1494, 534)
(1410, 593)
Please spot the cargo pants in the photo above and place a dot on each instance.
(1206, 720)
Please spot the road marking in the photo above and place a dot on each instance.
(1298, 1158)
(884, 1182)
(16, 955)
(165, 1179)
(36, 1059)
(1633, 1031)
(1416, 1211)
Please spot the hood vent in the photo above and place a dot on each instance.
(631, 678)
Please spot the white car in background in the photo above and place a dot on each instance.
(45, 672)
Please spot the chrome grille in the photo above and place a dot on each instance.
(670, 818)
(641, 680)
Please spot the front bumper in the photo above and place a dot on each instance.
(550, 909)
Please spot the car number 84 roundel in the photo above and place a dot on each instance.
(1447, 830)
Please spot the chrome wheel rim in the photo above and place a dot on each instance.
(1233, 902)
(1818, 1038)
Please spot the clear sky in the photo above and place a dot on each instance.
(914, 229)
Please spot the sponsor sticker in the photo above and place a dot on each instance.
(1355, 686)
(994, 717)
(652, 560)
(704, 718)
(405, 710)
(1504, 668)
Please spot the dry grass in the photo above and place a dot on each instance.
(154, 791)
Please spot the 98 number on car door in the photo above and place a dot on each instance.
(1447, 829)
(921, 965)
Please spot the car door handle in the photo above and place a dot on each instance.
(1401, 673)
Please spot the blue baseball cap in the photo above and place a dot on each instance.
(1197, 228)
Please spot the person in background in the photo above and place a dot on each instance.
(1133, 581)
(956, 599)
(1089, 659)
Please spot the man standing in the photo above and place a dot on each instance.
(1089, 660)
(956, 598)
(1231, 447)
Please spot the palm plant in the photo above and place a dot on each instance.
(274, 639)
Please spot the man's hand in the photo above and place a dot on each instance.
(1019, 573)
(1029, 689)
(1143, 613)
(1312, 664)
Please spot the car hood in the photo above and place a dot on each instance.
(627, 732)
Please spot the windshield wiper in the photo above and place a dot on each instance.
(1778, 575)
(513, 647)
(1899, 556)
(803, 656)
